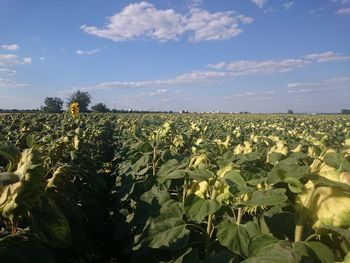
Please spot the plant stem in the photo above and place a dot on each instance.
(239, 216)
(154, 160)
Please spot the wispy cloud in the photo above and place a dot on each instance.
(341, 1)
(144, 21)
(222, 71)
(251, 67)
(343, 12)
(7, 72)
(42, 58)
(11, 59)
(259, 3)
(288, 5)
(327, 56)
(7, 83)
(88, 52)
(12, 47)
(329, 84)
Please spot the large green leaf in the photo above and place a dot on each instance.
(167, 232)
(337, 160)
(272, 253)
(267, 197)
(172, 169)
(234, 237)
(197, 208)
(313, 251)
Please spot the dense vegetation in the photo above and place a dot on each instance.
(174, 188)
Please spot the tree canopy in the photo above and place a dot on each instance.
(83, 98)
(100, 107)
(52, 104)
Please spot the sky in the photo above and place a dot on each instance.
(209, 55)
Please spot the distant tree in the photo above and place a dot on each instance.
(100, 107)
(290, 112)
(52, 104)
(345, 111)
(83, 98)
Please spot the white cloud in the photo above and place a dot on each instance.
(42, 58)
(7, 83)
(11, 59)
(343, 12)
(250, 67)
(158, 92)
(7, 72)
(27, 60)
(288, 5)
(220, 72)
(259, 3)
(143, 21)
(328, 56)
(329, 84)
(88, 52)
(341, 1)
(12, 47)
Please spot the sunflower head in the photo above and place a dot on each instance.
(74, 109)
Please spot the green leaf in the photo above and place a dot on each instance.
(172, 169)
(322, 181)
(314, 251)
(8, 178)
(272, 253)
(234, 237)
(338, 161)
(166, 232)
(235, 178)
(267, 197)
(197, 208)
(259, 243)
(200, 174)
(323, 253)
(11, 153)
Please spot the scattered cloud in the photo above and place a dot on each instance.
(343, 12)
(259, 3)
(7, 83)
(7, 72)
(329, 84)
(144, 21)
(27, 60)
(342, 1)
(252, 67)
(11, 59)
(12, 47)
(288, 5)
(222, 71)
(158, 92)
(328, 56)
(42, 58)
(88, 52)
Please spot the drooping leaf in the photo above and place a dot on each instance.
(234, 237)
(197, 208)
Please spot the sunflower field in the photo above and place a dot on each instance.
(174, 188)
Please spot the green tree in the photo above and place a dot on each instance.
(100, 107)
(52, 104)
(81, 97)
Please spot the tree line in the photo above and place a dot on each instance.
(83, 98)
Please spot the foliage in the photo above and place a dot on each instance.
(52, 105)
(100, 107)
(174, 188)
(83, 98)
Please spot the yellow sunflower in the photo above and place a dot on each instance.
(74, 109)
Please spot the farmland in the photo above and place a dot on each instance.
(174, 188)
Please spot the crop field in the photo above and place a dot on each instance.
(174, 188)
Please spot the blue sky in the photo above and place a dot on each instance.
(211, 55)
